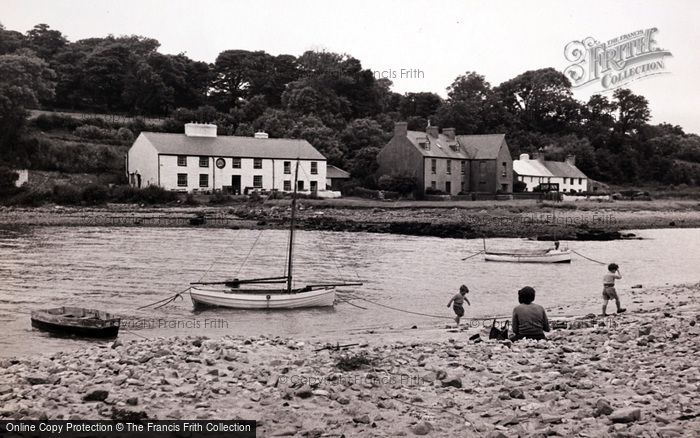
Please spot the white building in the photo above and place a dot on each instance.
(23, 177)
(199, 160)
(536, 171)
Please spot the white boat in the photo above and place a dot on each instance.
(257, 293)
(551, 256)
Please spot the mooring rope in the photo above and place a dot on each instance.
(165, 301)
(473, 255)
(588, 258)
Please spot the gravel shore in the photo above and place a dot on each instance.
(632, 375)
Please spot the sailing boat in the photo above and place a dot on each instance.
(260, 293)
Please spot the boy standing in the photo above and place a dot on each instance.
(458, 301)
(609, 292)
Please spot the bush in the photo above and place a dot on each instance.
(65, 194)
(190, 200)
(519, 186)
(27, 198)
(398, 183)
(220, 198)
(48, 122)
(95, 194)
(125, 135)
(95, 133)
(148, 195)
(432, 191)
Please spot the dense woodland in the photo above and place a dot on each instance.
(329, 99)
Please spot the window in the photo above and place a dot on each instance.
(314, 168)
(203, 161)
(448, 187)
(464, 167)
(449, 167)
(433, 184)
(424, 145)
(504, 171)
(182, 180)
(433, 167)
(257, 181)
(314, 186)
(482, 172)
(287, 186)
(181, 160)
(203, 180)
(257, 163)
(236, 163)
(300, 185)
(580, 180)
(287, 168)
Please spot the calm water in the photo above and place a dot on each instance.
(120, 269)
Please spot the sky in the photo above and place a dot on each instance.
(433, 41)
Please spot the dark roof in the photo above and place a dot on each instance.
(476, 147)
(564, 169)
(335, 172)
(486, 146)
(232, 146)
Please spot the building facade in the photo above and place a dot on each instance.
(450, 163)
(199, 160)
(540, 174)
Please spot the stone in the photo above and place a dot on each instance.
(644, 330)
(517, 393)
(422, 428)
(454, 382)
(343, 400)
(627, 415)
(362, 419)
(96, 395)
(304, 392)
(4, 389)
(38, 379)
(551, 419)
(602, 407)
(132, 401)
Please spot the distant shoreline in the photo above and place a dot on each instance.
(565, 221)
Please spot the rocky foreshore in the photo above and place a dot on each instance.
(635, 375)
(545, 222)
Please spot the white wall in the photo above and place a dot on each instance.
(23, 177)
(534, 181)
(143, 159)
(272, 173)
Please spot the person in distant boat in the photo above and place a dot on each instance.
(458, 301)
(529, 319)
(556, 245)
(609, 292)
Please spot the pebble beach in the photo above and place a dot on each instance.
(635, 374)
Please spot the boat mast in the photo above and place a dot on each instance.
(291, 229)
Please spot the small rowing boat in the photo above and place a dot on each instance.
(77, 321)
(551, 256)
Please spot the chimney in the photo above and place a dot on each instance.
(539, 155)
(449, 133)
(432, 131)
(524, 157)
(200, 130)
(400, 129)
(261, 134)
(571, 159)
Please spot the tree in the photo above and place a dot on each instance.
(24, 80)
(541, 100)
(422, 105)
(10, 40)
(45, 41)
(632, 111)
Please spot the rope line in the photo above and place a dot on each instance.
(473, 255)
(248, 255)
(588, 258)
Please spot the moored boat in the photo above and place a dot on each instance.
(268, 292)
(551, 256)
(77, 321)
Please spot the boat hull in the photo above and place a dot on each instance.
(549, 257)
(261, 300)
(76, 321)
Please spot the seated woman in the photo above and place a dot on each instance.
(529, 319)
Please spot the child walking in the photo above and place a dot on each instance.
(609, 292)
(458, 301)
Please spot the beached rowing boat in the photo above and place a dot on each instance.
(77, 321)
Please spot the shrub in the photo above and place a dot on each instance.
(48, 122)
(402, 184)
(220, 198)
(94, 133)
(432, 191)
(65, 194)
(95, 194)
(28, 198)
(519, 186)
(190, 200)
(125, 135)
(148, 195)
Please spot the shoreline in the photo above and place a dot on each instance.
(587, 221)
(629, 378)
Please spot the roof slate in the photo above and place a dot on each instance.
(335, 172)
(535, 167)
(232, 146)
(479, 147)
